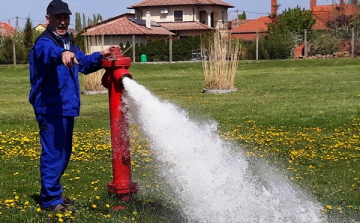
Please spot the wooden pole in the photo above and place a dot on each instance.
(257, 45)
(352, 42)
(133, 46)
(170, 49)
(306, 44)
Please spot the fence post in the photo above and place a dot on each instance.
(352, 42)
(257, 45)
(170, 48)
(306, 44)
(133, 46)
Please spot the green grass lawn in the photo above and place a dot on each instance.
(302, 116)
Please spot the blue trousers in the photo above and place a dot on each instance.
(56, 134)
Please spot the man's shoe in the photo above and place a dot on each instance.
(60, 208)
(67, 201)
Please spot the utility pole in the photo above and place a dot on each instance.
(237, 17)
(14, 37)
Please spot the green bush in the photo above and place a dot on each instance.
(6, 52)
(273, 46)
(324, 43)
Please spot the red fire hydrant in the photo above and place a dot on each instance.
(116, 67)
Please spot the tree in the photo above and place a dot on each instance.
(79, 40)
(6, 52)
(78, 25)
(94, 19)
(354, 2)
(99, 18)
(28, 38)
(294, 20)
(242, 16)
(84, 20)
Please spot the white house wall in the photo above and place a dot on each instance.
(190, 13)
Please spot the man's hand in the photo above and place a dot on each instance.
(106, 52)
(68, 58)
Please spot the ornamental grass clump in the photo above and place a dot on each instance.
(220, 60)
(92, 82)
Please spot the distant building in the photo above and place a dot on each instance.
(6, 29)
(323, 14)
(42, 26)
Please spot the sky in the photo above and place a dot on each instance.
(36, 10)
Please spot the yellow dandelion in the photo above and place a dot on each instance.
(135, 213)
(107, 205)
(94, 206)
(61, 220)
(97, 197)
(38, 209)
(329, 207)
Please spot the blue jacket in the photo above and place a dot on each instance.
(55, 88)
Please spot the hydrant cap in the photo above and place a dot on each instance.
(115, 52)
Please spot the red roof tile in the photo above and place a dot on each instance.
(237, 22)
(329, 12)
(319, 24)
(123, 26)
(179, 2)
(177, 26)
(255, 25)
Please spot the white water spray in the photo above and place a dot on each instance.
(212, 182)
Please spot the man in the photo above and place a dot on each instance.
(55, 96)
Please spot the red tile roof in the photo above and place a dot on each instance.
(177, 26)
(319, 24)
(329, 12)
(247, 31)
(179, 2)
(237, 22)
(123, 26)
(6, 29)
(255, 25)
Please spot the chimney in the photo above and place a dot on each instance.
(148, 22)
(342, 6)
(312, 4)
(274, 7)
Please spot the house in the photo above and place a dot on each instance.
(123, 29)
(237, 22)
(326, 13)
(248, 30)
(155, 19)
(321, 13)
(42, 26)
(6, 29)
(183, 16)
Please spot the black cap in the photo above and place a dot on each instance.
(58, 7)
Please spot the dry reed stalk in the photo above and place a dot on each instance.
(220, 61)
(92, 82)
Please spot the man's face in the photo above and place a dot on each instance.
(59, 23)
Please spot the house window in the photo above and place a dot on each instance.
(178, 16)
